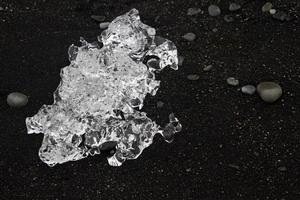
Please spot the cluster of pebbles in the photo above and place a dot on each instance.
(268, 91)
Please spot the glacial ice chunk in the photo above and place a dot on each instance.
(100, 95)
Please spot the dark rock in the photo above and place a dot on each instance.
(17, 99)
(193, 11)
(269, 91)
(214, 10)
(189, 36)
(234, 7)
(193, 77)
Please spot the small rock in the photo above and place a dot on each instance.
(272, 11)
(234, 166)
(282, 16)
(207, 68)
(234, 7)
(1, 8)
(193, 11)
(98, 18)
(189, 36)
(232, 81)
(228, 18)
(180, 60)
(282, 169)
(267, 7)
(269, 91)
(104, 25)
(17, 99)
(215, 30)
(188, 169)
(214, 10)
(193, 77)
(159, 104)
(248, 89)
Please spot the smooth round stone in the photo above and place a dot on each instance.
(189, 36)
(193, 11)
(267, 7)
(272, 11)
(269, 91)
(17, 99)
(207, 68)
(193, 77)
(248, 89)
(234, 7)
(214, 10)
(232, 81)
(282, 169)
(104, 25)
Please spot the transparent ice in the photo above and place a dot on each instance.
(100, 95)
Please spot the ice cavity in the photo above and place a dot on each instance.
(101, 92)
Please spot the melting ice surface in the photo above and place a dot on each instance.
(101, 92)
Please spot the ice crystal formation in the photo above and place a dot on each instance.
(100, 95)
